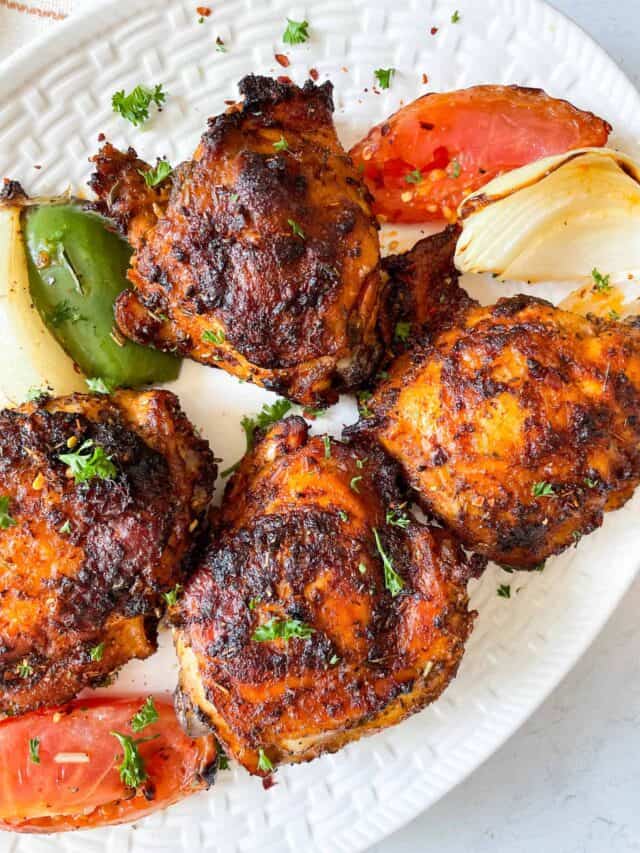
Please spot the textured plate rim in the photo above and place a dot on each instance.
(18, 67)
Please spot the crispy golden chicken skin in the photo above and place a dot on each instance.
(265, 261)
(518, 424)
(83, 564)
(292, 636)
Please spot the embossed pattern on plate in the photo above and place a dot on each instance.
(55, 99)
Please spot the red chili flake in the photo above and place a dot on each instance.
(425, 79)
(434, 30)
(284, 79)
(268, 782)
(203, 11)
(37, 166)
(101, 137)
(282, 59)
(313, 73)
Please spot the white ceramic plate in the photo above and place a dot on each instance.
(55, 99)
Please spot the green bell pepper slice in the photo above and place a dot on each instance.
(77, 268)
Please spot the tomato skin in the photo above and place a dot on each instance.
(55, 797)
(461, 140)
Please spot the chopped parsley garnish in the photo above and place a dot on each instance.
(6, 521)
(172, 596)
(223, 758)
(414, 177)
(398, 518)
(456, 169)
(363, 396)
(343, 515)
(214, 336)
(66, 527)
(64, 312)
(24, 669)
(384, 76)
(34, 394)
(360, 463)
(34, 750)
(589, 483)
(354, 484)
(334, 659)
(281, 144)
(134, 107)
(268, 415)
(220, 45)
(402, 331)
(362, 568)
(504, 590)
(540, 567)
(132, 770)
(153, 177)
(254, 602)
(542, 490)
(392, 580)
(455, 18)
(315, 412)
(296, 32)
(296, 229)
(145, 716)
(99, 385)
(89, 462)
(282, 629)
(326, 440)
(613, 315)
(602, 283)
(263, 762)
(97, 653)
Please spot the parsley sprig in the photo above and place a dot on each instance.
(145, 716)
(268, 415)
(6, 520)
(384, 76)
(402, 331)
(282, 629)
(34, 750)
(264, 763)
(156, 175)
(134, 107)
(397, 517)
(297, 32)
(392, 580)
(602, 283)
(89, 462)
(542, 490)
(132, 769)
(214, 336)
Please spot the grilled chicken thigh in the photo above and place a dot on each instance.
(265, 259)
(100, 500)
(517, 424)
(322, 611)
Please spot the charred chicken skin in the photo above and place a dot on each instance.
(264, 261)
(322, 611)
(100, 501)
(517, 424)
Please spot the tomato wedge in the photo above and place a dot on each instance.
(422, 161)
(59, 767)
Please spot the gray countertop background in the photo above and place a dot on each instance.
(569, 780)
